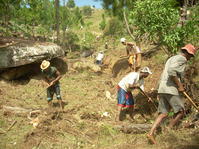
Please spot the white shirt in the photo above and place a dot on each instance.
(131, 79)
(137, 49)
(100, 56)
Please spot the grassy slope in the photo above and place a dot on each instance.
(82, 124)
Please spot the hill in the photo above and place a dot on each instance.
(88, 119)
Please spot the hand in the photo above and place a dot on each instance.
(136, 86)
(150, 99)
(51, 83)
(181, 88)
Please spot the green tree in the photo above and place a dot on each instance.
(114, 27)
(8, 8)
(87, 11)
(57, 18)
(159, 20)
(102, 24)
(70, 4)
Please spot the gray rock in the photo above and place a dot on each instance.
(28, 52)
(86, 53)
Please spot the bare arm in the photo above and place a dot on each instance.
(134, 86)
(56, 79)
(178, 83)
(129, 44)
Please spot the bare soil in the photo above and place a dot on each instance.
(82, 123)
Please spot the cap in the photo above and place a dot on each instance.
(122, 40)
(146, 69)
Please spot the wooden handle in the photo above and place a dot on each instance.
(191, 101)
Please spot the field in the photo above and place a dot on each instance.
(88, 118)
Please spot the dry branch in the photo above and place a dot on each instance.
(134, 128)
(19, 110)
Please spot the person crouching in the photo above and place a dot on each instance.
(134, 80)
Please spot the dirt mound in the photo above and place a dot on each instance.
(91, 116)
(145, 107)
(120, 67)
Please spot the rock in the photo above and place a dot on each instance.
(86, 53)
(86, 65)
(27, 52)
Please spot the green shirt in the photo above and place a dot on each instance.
(50, 74)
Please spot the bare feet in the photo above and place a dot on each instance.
(151, 138)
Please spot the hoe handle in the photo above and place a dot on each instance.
(191, 101)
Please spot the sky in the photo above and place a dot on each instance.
(80, 3)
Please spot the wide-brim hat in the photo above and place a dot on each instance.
(190, 49)
(45, 64)
(146, 69)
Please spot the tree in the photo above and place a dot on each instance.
(87, 11)
(159, 20)
(102, 24)
(57, 18)
(70, 4)
(114, 27)
(7, 8)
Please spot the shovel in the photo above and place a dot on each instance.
(191, 101)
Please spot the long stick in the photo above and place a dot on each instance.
(13, 123)
(147, 97)
(191, 101)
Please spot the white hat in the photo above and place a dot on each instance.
(146, 69)
(45, 64)
(122, 40)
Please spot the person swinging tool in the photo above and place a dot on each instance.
(170, 89)
(134, 80)
(52, 77)
(134, 55)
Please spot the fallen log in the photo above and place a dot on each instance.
(19, 110)
(134, 128)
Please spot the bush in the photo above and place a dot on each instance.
(114, 27)
(71, 40)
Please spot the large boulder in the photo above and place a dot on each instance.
(19, 57)
(23, 53)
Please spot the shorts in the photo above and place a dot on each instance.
(53, 89)
(125, 99)
(167, 101)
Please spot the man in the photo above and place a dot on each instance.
(52, 77)
(99, 58)
(134, 54)
(170, 87)
(134, 80)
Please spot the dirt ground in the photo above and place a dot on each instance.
(88, 119)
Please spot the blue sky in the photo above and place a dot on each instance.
(87, 2)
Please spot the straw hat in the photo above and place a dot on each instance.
(45, 64)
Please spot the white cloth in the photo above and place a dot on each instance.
(131, 79)
(100, 56)
(137, 49)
